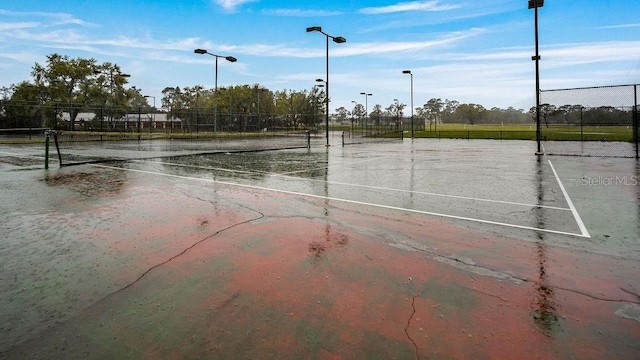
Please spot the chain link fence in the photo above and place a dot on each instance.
(82, 117)
(592, 121)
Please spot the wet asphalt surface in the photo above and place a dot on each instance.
(419, 249)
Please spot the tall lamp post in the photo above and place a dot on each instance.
(215, 91)
(366, 108)
(411, 74)
(154, 110)
(338, 40)
(535, 4)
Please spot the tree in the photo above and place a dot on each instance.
(357, 113)
(450, 107)
(341, 114)
(69, 82)
(546, 110)
(69, 85)
(471, 113)
(433, 109)
(395, 112)
(24, 108)
(376, 114)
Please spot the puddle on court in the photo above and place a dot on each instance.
(19, 162)
(94, 183)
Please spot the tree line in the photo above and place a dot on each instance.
(75, 85)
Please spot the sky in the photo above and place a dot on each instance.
(466, 50)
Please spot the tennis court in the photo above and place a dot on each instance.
(408, 249)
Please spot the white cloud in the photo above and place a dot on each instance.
(23, 57)
(621, 26)
(568, 55)
(231, 5)
(54, 18)
(20, 25)
(300, 12)
(430, 5)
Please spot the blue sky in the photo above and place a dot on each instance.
(466, 50)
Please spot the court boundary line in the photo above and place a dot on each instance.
(285, 175)
(574, 211)
(481, 221)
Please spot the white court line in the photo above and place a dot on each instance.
(583, 229)
(347, 201)
(371, 187)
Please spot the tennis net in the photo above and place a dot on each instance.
(76, 148)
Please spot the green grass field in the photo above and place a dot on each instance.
(528, 132)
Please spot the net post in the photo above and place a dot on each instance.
(308, 133)
(343, 139)
(46, 149)
(55, 139)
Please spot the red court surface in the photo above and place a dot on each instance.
(413, 250)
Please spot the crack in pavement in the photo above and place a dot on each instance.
(522, 279)
(415, 346)
(188, 248)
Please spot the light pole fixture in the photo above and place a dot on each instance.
(535, 4)
(338, 40)
(215, 91)
(410, 73)
(366, 108)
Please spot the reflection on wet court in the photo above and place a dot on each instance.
(473, 187)
(420, 249)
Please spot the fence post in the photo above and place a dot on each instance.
(139, 114)
(581, 125)
(635, 116)
(55, 138)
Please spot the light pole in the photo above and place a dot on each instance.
(409, 72)
(366, 108)
(338, 40)
(215, 91)
(535, 4)
(154, 110)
